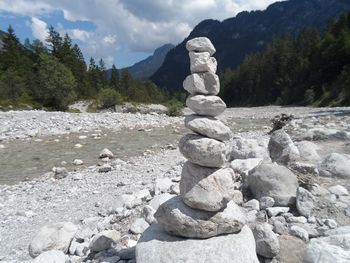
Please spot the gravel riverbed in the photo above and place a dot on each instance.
(88, 193)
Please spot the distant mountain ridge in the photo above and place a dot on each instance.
(147, 67)
(246, 33)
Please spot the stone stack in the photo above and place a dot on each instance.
(204, 208)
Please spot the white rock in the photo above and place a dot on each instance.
(203, 151)
(308, 151)
(282, 149)
(104, 240)
(60, 172)
(208, 127)
(106, 153)
(297, 219)
(181, 220)
(338, 190)
(202, 62)
(160, 199)
(52, 237)
(206, 105)
(200, 44)
(275, 211)
(335, 164)
(331, 223)
(139, 226)
(82, 137)
(105, 168)
(204, 188)
(266, 202)
(52, 256)
(267, 244)
(252, 205)
(304, 202)
(156, 246)
(78, 162)
(275, 181)
(162, 185)
(148, 214)
(243, 166)
(300, 233)
(331, 249)
(247, 148)
(202, 83)
(78, 146)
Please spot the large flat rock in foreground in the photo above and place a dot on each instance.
(157, 246)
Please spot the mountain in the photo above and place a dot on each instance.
(2, 34)
(147, 67)
(248, 32)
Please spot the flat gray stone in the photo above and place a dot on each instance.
(335, 164)
(282, 149)
(157, 246)
(104, 240)
(208, 127)
(206, 105)
(179, 219)
(204, 188)
(51, 256)
(267, 244)
(203, 151)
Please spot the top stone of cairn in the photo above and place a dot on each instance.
(200, 44)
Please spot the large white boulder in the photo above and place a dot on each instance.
(282, 149)
(202, 62)
(209, 127)
(200, 44)
(204, 188)
(243, 166)
(202, 83)
(179, 219)
(275, 181)
(52, 237)
(335, 164)
(203, 151)
(206, 105)
(157, 246)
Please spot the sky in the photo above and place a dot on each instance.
(121, 32)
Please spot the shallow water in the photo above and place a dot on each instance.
(25, 160)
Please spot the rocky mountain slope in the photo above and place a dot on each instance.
(248, 32)
(147, 67)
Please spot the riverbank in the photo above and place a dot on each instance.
(89, 197)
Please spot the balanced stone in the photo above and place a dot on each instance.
(202, 62)
(179, 219)
(209, 127)
(200, 44)
(203, 151)
(206, 105)
(202, 83)
(204, 188)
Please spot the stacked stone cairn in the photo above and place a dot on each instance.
(204, 208)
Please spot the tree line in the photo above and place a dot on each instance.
(312, 68)
(55, 74)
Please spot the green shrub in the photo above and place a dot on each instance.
(309, 96)
(174, 108)
(108, 98)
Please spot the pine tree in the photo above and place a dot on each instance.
(114, 80)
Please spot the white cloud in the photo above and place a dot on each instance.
(79, 34)
(134, 25)
(39, 29)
